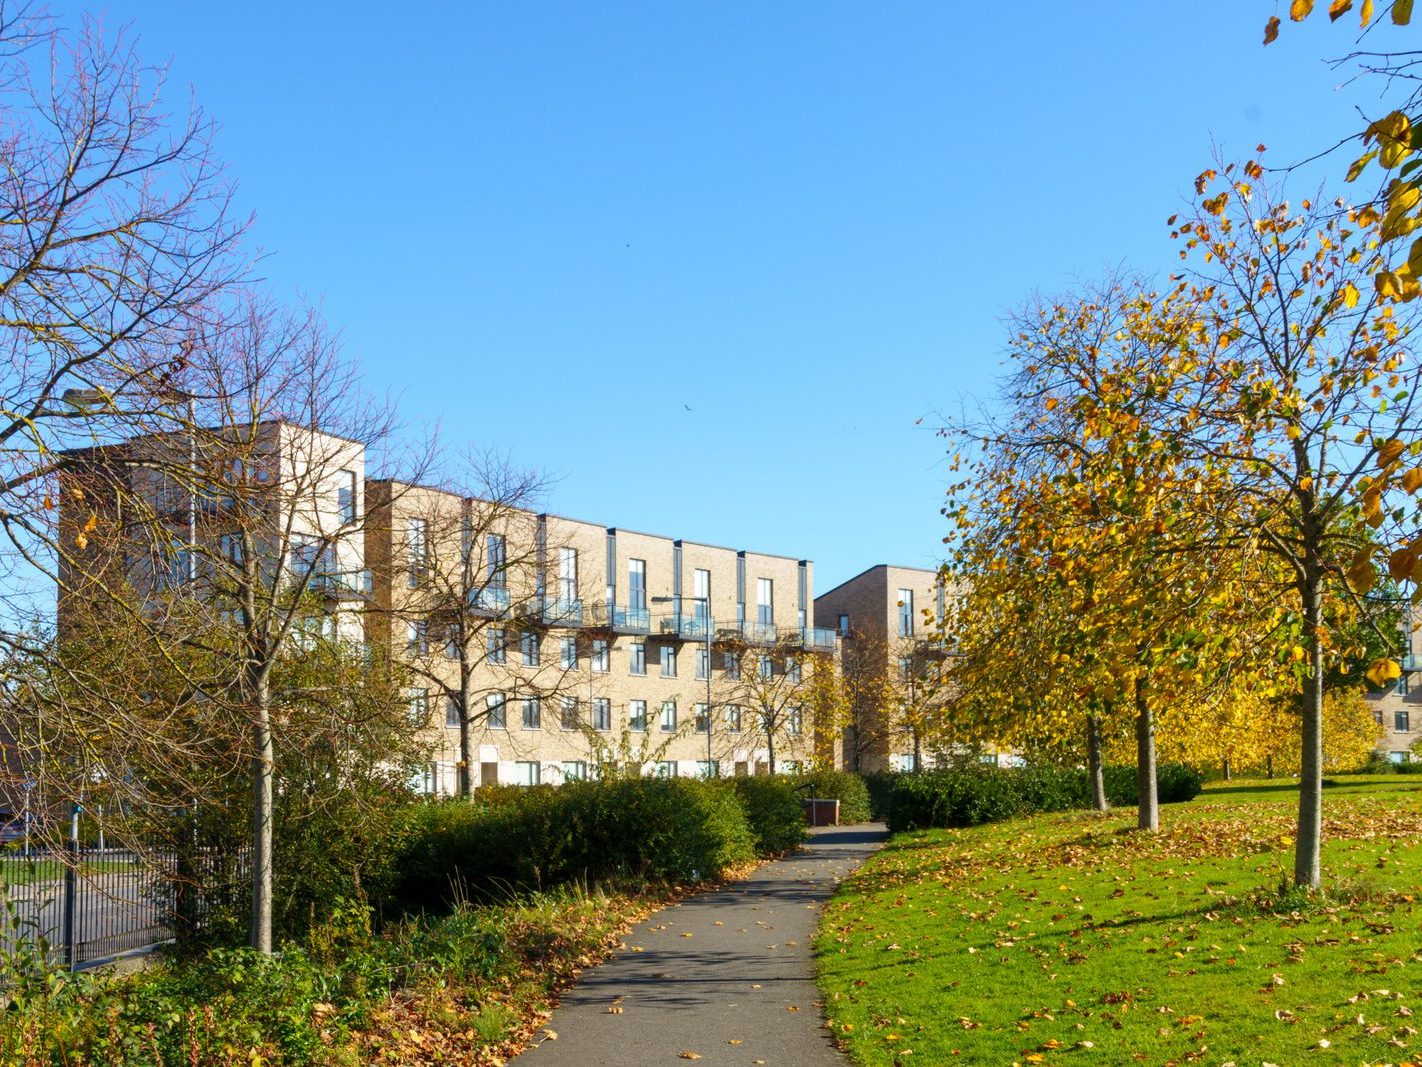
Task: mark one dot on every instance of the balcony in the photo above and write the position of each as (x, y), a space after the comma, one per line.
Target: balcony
(685, 627)
(620, 620)
(490, 600)
(931, 648)
(812, 638)
(549, 611)
(340, 585)
(1411, 662)
(748, 633)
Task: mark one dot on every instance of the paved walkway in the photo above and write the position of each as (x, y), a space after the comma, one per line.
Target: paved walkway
(725, 974)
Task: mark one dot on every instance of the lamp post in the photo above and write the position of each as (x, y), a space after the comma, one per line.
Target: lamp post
(706, 622)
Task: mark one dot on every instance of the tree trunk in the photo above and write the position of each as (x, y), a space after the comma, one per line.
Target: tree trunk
(263, 771)
(1310, 830)
(1227, 770)
(917, 753)
(769, 742)
(1094, 768)
(1148, 803)
(1269, 765)
(467, 763)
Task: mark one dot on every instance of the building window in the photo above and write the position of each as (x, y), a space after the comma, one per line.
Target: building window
(905, 668)
(497, 704)
(666, 768)
(637, 584)
(451, 642)
(230, 545)
(568, 654)
(532, 713)
(794, 721)
(527, 772)
(496, 644)
(417, 637)
(568, 720)
(417, 703)
(1378, 716)
(528, 645)
(637, 658)
(701, 589)
(733, 718)
(668, 661)
(732, 664)
(703, 718)
(451, 713)
(708, 768)
(765, 666)
(567, 575)
(599, 656)
(601, 713)
(495, 561)
(1401, 722)
(637, 715)
(1397, 757)
(703, 664)
(346, 496)
(417, 550)
(1402, 684)
(791, 766)
(905, 612)
(574, 770)
(669, 716)
(764, 601)
(843, 625)
(792, 670)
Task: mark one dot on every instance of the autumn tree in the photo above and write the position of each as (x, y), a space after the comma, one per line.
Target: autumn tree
(768, 693)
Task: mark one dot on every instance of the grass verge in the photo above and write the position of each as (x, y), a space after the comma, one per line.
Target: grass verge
(1071, 938)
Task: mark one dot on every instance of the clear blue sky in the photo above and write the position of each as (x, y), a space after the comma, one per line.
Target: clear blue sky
(552, 227)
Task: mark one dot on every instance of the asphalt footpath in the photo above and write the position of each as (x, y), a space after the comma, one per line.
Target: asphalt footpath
(723, 977)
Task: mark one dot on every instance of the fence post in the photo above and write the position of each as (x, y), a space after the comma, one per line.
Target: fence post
(71, 886)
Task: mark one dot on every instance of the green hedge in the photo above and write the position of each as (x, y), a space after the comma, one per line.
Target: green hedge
(620, 831)
(972, 796)
(845, 786)
(773, 809)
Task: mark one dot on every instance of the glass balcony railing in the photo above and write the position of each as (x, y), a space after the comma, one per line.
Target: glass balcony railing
(632, 620)
(553, 612)
(687, 627)
(355, 583)
(753, 633)
(492, 599)
(1411, 662)
(816, 638)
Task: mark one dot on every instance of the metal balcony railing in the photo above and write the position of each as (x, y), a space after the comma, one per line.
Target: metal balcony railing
(1411, 662)
(686, 627)
(751, 633)
(815, 638)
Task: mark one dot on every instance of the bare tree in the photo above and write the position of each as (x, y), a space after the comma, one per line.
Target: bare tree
(768, 694)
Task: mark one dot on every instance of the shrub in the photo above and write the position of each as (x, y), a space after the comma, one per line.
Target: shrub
(844, 786)
(974, 795)
(774, 811)
(880, 786)
(630, 830)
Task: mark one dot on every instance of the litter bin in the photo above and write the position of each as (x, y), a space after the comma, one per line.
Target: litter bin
(821, 812)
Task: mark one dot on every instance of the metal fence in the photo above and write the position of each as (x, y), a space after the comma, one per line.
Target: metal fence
(86, 905)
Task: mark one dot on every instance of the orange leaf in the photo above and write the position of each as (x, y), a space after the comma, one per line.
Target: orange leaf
(1300, 9)
(1271, 30)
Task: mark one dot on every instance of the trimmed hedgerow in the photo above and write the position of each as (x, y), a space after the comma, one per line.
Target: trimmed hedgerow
(972, 796)
(845, 786)
(622, 831)
(774, 810)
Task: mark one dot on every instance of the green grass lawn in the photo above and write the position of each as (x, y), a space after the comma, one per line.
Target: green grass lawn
(18, 871)
(1073, 939)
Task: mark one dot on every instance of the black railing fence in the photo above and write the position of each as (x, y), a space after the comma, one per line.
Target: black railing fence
(85, 905)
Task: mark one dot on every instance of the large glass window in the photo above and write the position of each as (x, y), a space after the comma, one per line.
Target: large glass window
(637, 584)
(731, 662)
(669, 716)
(703, 664)
(794, 720)
(905, 612)
(567, 575)
(599, 655)
(451, 713)
(496, 644)
(527, 772)
(637, 715)
(637, 658)
(575, 770)
(1401, 721)
(532, 713)
(417, 550)
(568, 654)
(497, 704)
(528, 645)
(703, 718)
(601, 713)
(346, 496)
(668, 661)
(764, 601)
(417, 703)
(568, 719)
(701, 586)
(495, 561)
(733, 719)
(765, 666)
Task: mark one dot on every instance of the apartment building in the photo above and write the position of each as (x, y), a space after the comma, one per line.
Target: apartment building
(1398, 708)
(892, 661)
(545, 648)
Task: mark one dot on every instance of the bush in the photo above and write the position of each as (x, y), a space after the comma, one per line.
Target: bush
(972, 796)
(880, 786)
(774, 811)
(844, 786)
(636, 830)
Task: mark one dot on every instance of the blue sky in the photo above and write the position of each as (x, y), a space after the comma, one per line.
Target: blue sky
(555, 227)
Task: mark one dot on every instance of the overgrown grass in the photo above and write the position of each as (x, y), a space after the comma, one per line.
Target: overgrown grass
(1071, 938)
